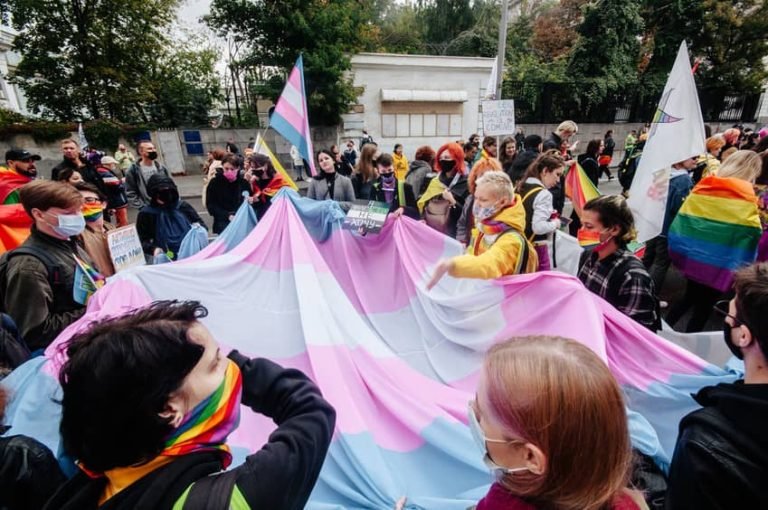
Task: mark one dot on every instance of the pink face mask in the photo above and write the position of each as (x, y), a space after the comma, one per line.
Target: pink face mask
(230, 175)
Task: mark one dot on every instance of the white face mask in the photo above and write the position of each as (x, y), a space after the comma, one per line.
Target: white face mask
(69, 225)
(499, 472)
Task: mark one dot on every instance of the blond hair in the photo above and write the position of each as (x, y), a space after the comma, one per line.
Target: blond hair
(479, 169)
(744, 165)
(567, 125)
(499, 182)
(558, 395)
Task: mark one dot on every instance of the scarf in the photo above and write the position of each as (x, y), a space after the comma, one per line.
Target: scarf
(203, 429)
(491, 229)
(207, 426)
(330, 179)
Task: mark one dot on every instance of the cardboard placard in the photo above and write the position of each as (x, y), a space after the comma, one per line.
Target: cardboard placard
(369, 216)
(125, 248)
(498, 117)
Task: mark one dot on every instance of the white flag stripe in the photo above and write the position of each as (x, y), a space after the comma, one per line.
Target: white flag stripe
(293, 98)
(677, 133)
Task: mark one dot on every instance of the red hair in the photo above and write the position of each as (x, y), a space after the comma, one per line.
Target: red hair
(455, 150)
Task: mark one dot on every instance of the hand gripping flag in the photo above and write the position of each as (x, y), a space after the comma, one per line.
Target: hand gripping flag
(677, 133)
(291, 117)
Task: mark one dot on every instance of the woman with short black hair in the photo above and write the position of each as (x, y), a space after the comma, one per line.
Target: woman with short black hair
(148, 402)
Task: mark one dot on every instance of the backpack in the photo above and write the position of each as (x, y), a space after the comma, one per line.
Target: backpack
(214, 492)
(13, 350)
(170, 228)
(437, 212)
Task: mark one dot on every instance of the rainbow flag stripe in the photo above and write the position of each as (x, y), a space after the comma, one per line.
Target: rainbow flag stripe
(716, 231)
(15, 226)
(579, 188)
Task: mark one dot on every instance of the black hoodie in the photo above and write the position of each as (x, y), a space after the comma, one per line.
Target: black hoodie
(149, 215)
(721, 457)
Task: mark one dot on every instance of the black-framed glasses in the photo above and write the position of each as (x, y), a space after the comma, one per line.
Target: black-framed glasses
(723, 308)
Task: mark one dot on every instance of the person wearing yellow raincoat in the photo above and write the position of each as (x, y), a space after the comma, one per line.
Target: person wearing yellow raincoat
(499, 247)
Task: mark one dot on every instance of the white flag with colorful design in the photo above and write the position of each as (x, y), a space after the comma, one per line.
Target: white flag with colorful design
(677, 133)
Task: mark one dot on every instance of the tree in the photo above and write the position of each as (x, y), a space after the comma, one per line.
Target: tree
(444, 20)
(727, 38)
(276, 31)
(87, 57)
(604, 59)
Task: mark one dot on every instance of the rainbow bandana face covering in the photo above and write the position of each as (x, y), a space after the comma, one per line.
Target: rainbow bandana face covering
(207, 426)
(92, 212)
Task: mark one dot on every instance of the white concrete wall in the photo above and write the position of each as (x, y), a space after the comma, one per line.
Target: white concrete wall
(374, 72)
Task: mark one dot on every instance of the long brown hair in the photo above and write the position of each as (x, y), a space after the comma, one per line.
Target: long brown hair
(547, 162)
(364, 166)
(558, 395)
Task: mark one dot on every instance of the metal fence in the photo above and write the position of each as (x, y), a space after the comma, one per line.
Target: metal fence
(550, 103)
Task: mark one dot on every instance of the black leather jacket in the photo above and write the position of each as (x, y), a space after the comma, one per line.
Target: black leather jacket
(721, 457)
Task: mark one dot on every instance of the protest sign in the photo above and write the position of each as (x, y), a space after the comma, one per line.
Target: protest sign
(366, 215)
(498, 117)
(125, 248)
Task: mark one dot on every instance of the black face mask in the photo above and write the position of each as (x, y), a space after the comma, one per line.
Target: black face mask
(152, 155)
(447, 165)
(735, 350)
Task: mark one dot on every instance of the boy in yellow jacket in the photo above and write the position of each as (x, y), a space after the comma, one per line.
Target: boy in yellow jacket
(499, 246)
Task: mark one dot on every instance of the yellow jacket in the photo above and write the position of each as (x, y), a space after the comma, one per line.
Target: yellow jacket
(401, 166)
(492, 258)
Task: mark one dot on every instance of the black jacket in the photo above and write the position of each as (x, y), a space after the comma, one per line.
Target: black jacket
(42, 305)
(29, 473)
(223, 198)
(591, 167)
(88, 172)
(721, 457)
(553, 142)
(410, 208)
(279, 476)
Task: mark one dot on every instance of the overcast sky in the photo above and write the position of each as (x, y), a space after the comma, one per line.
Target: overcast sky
(191, 10)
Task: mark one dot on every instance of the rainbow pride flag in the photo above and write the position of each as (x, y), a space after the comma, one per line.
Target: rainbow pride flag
(399, 363)
(15, 225)
(716, 231)
(579, 188)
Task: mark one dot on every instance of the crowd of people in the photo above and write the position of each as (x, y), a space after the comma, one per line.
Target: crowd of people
(504, 202)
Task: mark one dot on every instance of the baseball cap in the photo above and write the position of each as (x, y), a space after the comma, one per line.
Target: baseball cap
(108, 160)
(20, 155)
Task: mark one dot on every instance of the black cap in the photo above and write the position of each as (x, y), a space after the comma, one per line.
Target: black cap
(20, 155)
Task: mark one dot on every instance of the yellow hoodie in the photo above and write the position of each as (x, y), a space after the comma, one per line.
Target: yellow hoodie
(495, 256)
(401, 165)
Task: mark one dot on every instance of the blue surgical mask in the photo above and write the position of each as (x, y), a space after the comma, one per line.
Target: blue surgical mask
(499, 472)
(483, 213)
(69, 224)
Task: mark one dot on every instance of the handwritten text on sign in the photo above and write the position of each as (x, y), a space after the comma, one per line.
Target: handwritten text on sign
(125, 248)
(368, 216)
(498, 117)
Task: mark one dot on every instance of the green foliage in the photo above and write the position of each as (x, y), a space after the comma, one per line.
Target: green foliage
(326, 33)
(105, 59)
(103, 133)
(605, 56)
(444, 20)
(12, 124)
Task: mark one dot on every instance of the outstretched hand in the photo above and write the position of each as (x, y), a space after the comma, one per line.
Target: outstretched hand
(442, 267)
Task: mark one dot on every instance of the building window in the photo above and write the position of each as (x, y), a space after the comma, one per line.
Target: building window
(421, 119)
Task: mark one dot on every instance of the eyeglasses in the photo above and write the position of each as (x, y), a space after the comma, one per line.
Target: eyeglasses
(723, 308)
(91, 200)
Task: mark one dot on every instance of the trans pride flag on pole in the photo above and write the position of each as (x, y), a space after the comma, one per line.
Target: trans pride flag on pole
(291, 116)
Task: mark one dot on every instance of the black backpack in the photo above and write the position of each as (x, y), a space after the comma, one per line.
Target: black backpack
(13, 349)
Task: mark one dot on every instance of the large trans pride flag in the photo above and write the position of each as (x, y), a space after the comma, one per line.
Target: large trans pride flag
(398, 363)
